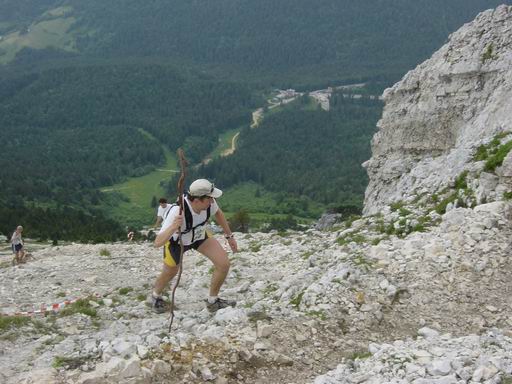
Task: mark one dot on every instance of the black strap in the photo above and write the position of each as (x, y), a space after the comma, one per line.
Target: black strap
(188, 216)
(169, 210)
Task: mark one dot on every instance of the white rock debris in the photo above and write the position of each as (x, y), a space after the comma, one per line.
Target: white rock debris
(305, 304)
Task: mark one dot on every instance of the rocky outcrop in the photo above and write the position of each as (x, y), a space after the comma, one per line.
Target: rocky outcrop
(431, 358)
(436, 117)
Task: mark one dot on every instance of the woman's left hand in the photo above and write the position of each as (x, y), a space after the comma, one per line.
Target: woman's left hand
(232, 244)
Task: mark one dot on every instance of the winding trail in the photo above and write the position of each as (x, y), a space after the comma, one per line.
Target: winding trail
(231, 150)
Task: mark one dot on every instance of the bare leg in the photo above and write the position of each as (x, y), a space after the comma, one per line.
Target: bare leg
(165, 276)
(219, 257)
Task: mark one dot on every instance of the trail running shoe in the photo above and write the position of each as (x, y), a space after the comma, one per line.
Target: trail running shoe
(219, 304)
(158, 304)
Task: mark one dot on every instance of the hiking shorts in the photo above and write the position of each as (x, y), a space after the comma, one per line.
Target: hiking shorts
(172, 250)
(16, 248)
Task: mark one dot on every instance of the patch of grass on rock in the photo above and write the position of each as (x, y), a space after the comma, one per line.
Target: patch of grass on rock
(125, 290)
(68, 362)
(507, 195)
(82, 306)
(496, 159)
(360, 355)
(255, 247)
(351, 238)
(297, 300)
(306, 255)
(318, 314)
(12, 322)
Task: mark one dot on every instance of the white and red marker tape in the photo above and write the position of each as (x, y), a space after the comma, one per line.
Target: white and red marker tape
(43, 309)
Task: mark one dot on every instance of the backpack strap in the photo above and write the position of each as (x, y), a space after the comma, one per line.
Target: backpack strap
(188, 216)
(169, 210)
(186, 211)
(189, 219)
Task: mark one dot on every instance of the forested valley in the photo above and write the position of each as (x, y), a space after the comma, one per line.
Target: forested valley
(70, 131)
(305, 154)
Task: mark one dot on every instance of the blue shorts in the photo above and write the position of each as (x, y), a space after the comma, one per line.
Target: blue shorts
(16, 248)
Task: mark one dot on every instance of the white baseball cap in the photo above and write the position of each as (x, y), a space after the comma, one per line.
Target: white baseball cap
(203, 187)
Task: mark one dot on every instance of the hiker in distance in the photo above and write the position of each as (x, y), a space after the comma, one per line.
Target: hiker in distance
(17, 245)
(198, 205)
(163, 208)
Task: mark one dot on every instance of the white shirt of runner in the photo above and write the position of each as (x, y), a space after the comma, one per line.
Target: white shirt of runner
(197, 218)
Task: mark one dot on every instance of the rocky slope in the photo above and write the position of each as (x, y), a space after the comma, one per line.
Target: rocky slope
(307, 301)
(417, 291)
(437, 116)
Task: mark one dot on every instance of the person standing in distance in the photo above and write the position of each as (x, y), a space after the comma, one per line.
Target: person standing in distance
(199, 203)
(17, 245)
(163, 208)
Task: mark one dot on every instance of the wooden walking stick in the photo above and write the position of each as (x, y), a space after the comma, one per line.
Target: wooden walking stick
(181, 182)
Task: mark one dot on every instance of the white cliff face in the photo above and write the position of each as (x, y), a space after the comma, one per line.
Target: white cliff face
(439, 113)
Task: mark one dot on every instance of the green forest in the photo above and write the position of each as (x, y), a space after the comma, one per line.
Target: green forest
(68, 132)
(93, 92)
(288, 38)
(305, 153)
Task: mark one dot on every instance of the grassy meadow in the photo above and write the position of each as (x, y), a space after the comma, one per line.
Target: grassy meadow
(44, 34)
(132, 198)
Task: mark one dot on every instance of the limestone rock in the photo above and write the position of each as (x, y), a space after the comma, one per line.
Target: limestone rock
(440, 112)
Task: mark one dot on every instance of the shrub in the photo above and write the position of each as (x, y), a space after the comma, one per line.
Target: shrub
(240, 221)
(497, 158)
(104, 252)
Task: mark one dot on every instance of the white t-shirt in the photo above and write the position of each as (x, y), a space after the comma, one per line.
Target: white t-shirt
(16, 238)
(197, 218)
(162, 211)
